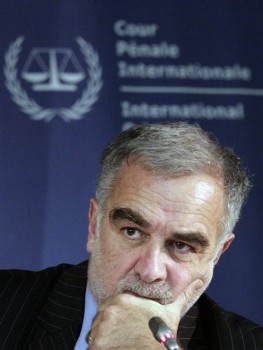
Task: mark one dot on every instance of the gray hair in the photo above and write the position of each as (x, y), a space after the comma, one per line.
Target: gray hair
(176, 149)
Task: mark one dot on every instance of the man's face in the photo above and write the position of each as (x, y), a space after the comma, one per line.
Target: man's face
(157, 234)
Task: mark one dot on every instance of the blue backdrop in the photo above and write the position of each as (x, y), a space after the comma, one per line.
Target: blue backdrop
(77, 72)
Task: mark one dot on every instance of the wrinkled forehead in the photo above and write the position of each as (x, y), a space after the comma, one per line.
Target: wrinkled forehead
(135, 183)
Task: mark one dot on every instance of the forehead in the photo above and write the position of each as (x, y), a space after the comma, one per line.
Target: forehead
(135, 177)
(180, 198)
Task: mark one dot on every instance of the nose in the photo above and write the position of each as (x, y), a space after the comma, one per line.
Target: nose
(151, 265)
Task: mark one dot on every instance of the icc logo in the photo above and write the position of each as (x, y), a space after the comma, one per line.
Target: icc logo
(54, 69)
(46, 74)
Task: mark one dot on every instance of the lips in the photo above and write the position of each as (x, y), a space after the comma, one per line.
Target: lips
(141, 296)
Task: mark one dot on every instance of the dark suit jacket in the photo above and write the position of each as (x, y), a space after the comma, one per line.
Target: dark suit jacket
(44, 311)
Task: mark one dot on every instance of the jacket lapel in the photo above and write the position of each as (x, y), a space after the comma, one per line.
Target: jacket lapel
(225, 330)
(60, 320)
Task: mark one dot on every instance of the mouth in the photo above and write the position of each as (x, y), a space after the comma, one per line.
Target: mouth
(142, 296)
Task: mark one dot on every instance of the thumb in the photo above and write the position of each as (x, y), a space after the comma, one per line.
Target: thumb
(189, 294)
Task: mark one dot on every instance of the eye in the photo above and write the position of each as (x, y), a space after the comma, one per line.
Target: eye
(132, 233)
(180, 247)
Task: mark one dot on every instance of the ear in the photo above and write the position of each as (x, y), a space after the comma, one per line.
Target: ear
(93, 209)
(224, 246)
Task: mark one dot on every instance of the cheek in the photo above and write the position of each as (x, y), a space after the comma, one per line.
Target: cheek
(204, 272)
(117, 262)
(181, 275)
(118, 259)
(109, 258)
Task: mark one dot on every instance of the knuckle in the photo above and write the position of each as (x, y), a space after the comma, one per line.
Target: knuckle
(122, 299)
(110, 311)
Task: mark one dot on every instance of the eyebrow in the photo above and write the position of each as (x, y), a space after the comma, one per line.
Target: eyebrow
(196, 237)
(130, 215)
(118, 214)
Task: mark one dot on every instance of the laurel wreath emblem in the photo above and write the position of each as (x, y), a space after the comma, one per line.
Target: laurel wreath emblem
(36, 112)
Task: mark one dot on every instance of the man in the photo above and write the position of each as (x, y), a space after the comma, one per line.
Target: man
(167, 200)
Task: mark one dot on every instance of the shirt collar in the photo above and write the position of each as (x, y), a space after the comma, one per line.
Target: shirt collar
(89, 314)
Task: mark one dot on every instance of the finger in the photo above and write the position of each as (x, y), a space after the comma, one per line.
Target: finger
(89, 339)
(96, 320)
(186, 296)
(93, 329)
(102, 311)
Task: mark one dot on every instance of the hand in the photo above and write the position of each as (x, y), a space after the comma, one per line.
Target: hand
(122, 321)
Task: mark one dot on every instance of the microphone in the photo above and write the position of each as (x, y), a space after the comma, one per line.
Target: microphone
(162, 333)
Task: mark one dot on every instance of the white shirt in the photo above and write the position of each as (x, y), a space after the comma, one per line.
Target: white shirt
(89, 313)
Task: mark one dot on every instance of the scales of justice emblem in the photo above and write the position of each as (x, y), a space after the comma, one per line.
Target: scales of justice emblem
(54, 70)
